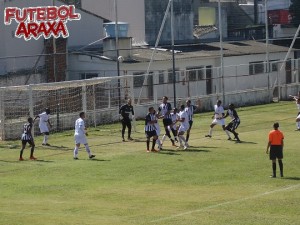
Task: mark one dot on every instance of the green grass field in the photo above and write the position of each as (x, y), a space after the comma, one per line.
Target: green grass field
(215, 182)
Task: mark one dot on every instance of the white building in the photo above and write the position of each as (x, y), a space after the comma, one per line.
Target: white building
(197, 68)
(80, 34)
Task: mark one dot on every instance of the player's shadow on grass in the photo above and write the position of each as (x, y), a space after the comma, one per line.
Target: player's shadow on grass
(43, 161)
(190, 149)
(193, 150)
(291, 178)
(15, 161)
(99, 160)
(168, 152)
(245, 142)
(55, 147)
(110, 143)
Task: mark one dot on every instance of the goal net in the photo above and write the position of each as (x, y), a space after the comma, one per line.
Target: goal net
(100, 98)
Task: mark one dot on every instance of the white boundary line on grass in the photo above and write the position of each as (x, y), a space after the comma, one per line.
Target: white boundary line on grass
(227, 203)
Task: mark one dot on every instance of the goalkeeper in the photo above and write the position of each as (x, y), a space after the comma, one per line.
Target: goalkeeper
(124, 112)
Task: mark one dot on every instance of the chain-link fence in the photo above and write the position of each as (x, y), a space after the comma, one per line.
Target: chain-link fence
(101, 97)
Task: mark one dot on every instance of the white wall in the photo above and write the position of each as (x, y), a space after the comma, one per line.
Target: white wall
(79, 64)
(86, 30)
(82, 32)
(130, 11)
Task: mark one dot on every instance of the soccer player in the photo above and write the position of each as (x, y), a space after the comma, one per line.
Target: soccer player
(157, 130)
(124, 112)
(297, 99)
(43, 125)
(164, 111)
(80, 136)
(275, 145)
(298, 122)
(184, 126)
(218, 118)
(235, 121)
(27, 138)
(150, 131)
(190, 109)
(173, 126)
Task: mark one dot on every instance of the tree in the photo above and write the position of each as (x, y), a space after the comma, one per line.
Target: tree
(295, 12)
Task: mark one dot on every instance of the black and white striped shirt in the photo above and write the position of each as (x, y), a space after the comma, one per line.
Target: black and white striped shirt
(148, 125)
(165, 109)
(27, 136)
(190, 111)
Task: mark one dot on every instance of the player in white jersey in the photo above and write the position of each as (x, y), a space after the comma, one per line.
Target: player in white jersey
(184, 126)
(190, 109)
(157, 129)
(80, 136)
(297, 99)
(218, 118)
(43, 125)
(298, 122)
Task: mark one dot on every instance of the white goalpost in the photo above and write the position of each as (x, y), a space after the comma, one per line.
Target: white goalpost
(97, 97)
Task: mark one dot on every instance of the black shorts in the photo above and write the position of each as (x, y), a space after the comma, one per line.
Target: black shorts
(233, 125)
(276, 152)
(167, 122)
(150, 134)
(27, 141)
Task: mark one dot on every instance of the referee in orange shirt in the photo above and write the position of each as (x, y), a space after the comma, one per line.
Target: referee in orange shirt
(275, 145)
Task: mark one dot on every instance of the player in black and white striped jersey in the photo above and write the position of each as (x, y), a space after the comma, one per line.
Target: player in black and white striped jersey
(150, 129)
(173, 127)
(27, 138)
(189, 109)
(164, 111)
(235, 121)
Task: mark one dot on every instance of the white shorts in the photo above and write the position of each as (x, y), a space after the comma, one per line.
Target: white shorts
(183, 129)
(44, 128)
(218, 121)
(80, 139)
(157, 131)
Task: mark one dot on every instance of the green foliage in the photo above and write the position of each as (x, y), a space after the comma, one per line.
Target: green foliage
(214, 182)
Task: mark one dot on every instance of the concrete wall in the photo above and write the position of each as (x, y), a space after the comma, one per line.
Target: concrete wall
(80, 34)
(183, 20)
(130, 11)
(16, 80)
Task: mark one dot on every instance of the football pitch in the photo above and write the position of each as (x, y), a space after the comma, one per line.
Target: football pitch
(214, 182)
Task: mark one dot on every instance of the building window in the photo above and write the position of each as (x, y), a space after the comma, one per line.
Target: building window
(138, 79)
(161, 77)
(273, 65)
(192, 75)
(88, 75)
(256, 67)
(195, 73)
(171, 76)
